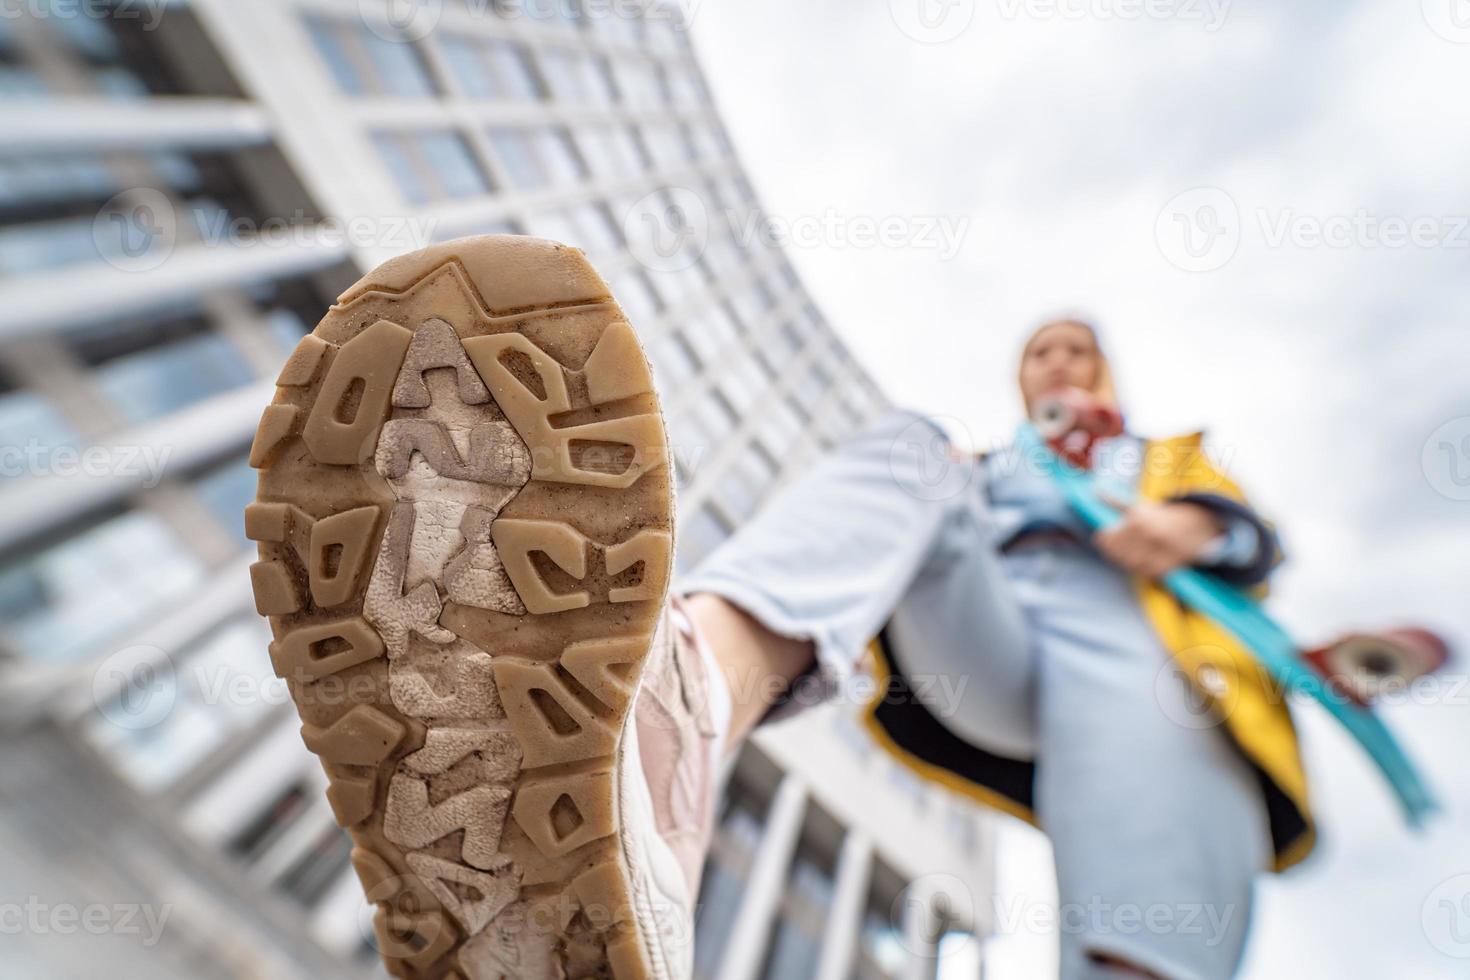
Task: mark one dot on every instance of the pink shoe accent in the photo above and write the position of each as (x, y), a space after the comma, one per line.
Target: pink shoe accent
(682, 713)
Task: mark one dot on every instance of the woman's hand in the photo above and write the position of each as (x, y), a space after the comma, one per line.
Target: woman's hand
(1154, 539)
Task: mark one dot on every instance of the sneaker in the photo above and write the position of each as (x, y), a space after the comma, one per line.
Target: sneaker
(465, 528)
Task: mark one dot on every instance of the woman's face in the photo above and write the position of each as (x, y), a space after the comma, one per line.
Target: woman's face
(1063, 355)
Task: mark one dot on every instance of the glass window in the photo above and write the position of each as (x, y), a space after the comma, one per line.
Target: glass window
(54, 177)
(781, 428)
(720, 418)
(400, 162)
(225, 490)
(90, 36)
(732, 853)
(746, 383)
(801, 925)
(747, 481)
(331, 43)
(558, 14)
(513, 64)
(611, 151)
(64, 599)
(537, 158)
(563, 161)
(673, 361)
(882, 952)
(222, 687)
(640, 82)
(28, 422)
(518, 156)
(669, 145)
(635, 294)
(451, 161)
(494, 69)
(555, 224)
(465, 57)
(432, 166)
(162, 378)
(617, 22)
(597, 233)
(46, 245)
(398, 68)
(363, 63)
(577, 78)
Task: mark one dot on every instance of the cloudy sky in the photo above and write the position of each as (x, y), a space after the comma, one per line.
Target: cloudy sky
(1265, 207)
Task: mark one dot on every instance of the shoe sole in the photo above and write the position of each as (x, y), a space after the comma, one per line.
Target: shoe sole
(464, 520)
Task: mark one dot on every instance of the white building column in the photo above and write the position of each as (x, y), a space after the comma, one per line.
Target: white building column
(749, 936)
(849, 902)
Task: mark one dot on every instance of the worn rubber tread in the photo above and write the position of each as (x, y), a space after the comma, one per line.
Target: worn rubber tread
(465, 525)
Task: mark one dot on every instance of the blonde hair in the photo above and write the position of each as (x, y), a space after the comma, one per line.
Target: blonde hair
(1102, 385)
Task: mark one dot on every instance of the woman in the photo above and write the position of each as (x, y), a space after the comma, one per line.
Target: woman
(1143, 740)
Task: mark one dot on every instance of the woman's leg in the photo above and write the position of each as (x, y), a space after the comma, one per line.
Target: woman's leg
(808, 582)
(1155, 818)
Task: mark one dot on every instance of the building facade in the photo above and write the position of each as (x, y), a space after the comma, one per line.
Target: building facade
(184, 188)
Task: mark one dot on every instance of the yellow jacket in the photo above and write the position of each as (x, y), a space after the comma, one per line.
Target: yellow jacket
(1222, 671)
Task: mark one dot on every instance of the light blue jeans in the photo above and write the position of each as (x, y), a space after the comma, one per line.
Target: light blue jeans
(1157, 822)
